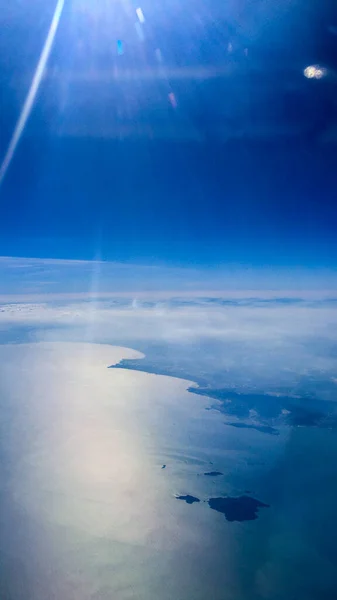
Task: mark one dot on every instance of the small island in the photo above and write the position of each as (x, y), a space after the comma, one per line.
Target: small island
(243, 508)
(188, 499)
(213, 473)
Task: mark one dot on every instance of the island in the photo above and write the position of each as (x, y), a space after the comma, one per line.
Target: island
(243, 508)
(213, 473)
(188, 499)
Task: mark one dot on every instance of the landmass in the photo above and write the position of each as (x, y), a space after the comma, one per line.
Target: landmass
(213, 473)
(188, 499)
(243, 508)
(297, 405)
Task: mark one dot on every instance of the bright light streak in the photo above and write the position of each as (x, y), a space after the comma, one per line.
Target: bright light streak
(173, 100)
(159, 55)
(315, 72)
(140, 31)
(27, 107)
(140, 15)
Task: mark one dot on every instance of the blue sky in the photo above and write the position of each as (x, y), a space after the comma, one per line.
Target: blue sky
(225, 178)
(178, 203)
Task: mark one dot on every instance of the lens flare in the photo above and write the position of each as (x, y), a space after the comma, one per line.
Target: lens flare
(30, 99)
(315, 72)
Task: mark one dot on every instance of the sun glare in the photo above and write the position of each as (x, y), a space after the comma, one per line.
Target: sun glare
(315, 72)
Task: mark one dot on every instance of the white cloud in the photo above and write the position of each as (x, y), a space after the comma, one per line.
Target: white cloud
(265, 329)
(31, 278)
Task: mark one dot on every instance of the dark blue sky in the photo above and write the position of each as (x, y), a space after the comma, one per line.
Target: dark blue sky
(206, 194)
(250, 203)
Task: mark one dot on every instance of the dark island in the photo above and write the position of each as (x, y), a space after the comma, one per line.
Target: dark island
(189, 499)
(243, 508)
(213, 473)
